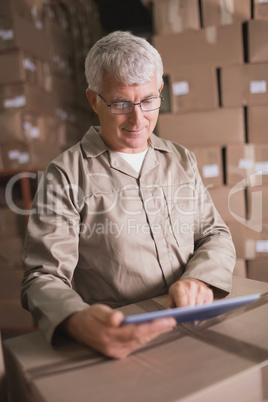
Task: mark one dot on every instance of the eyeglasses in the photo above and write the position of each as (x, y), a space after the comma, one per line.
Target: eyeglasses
(125, 107)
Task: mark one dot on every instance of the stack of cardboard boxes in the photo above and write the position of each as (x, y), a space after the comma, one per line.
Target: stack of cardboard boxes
(43, 110)
(215, 55)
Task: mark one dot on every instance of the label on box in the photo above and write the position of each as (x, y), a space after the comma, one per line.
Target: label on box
(24, 157)
(261, 167)
(6, 34)
(258, 87)
(180, 88)
(210, 171)
(245, 163)
(29, 65)
(262, 246)
(19, 101)
(261, 1)
(13, 154)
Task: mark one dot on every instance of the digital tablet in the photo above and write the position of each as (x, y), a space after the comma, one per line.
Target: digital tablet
(194, 313)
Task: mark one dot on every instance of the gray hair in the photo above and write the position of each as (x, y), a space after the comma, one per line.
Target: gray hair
(128, 58)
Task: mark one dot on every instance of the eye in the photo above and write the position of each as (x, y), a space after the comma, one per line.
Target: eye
(149, 101)
(121, 105)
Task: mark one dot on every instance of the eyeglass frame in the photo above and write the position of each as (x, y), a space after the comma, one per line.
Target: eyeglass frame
(133, 104)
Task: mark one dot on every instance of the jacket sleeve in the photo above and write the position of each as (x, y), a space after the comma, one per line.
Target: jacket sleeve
(50, 253)
(214, 254)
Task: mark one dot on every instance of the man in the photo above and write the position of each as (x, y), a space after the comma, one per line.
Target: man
(123, 214)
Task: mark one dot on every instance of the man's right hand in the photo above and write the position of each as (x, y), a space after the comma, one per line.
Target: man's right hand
(100, 328)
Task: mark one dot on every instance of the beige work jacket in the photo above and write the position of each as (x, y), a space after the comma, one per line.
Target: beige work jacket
(118, 235)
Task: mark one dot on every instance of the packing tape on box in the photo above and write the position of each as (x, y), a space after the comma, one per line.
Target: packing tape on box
(226, 11)
(174, 18)
(211, 34)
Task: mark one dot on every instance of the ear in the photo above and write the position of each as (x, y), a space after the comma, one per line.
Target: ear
(92, 98)
(162, 86)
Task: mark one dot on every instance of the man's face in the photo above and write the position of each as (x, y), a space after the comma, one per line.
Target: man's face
(127, 132)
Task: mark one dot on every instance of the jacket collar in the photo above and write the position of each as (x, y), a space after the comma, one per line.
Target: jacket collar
(93, 145)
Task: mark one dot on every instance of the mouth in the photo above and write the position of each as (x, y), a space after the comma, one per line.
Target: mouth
(135, 130)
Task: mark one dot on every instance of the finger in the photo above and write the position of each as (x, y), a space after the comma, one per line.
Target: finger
(103, 314)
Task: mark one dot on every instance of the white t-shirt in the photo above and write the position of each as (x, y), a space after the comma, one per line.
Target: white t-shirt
(135, 160)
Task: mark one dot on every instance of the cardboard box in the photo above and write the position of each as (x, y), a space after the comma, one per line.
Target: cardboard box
(225, 12)
(194, 89)
(234, 351)
(240, 268)
(244, 85)
(173, 16)
(231, 205)
(16, 96)
(10, 283)
(207, 128)
(11, 223)
(19, 125)
(258, 270)
(257, 201)
(11, 250)
(210, 165)
(260, 9)
(257, 41)
(16, 66)
(247, 163)
(59, 39)
(256, 243)
(15, 155)
(13, 317)
(20, 7)
(18, 33)
(257, 123)
(211, 46)
(237, 230)
(64, 90)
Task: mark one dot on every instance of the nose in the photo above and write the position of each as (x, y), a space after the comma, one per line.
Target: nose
(136, 116)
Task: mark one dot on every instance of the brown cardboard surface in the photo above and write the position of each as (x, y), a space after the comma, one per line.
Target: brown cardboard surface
(258, 270)
(207, 128)
(247, 164)
(211, 46)
(15, 66)
(11, 223)
(257, 41)
(231, 205)
(256, 242)
(15, 155)
(19, 125)
(237, 230)
(22, 34)
(16, 96)
(244, 85)
(260, 9)
(218, 12)
(210, 165)
(10, 250)
(207, 361)
(257, 124)
(13, 316)
(257, 199)
(194, 89)
(173, 17)
(10, 283)
(240, 268)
